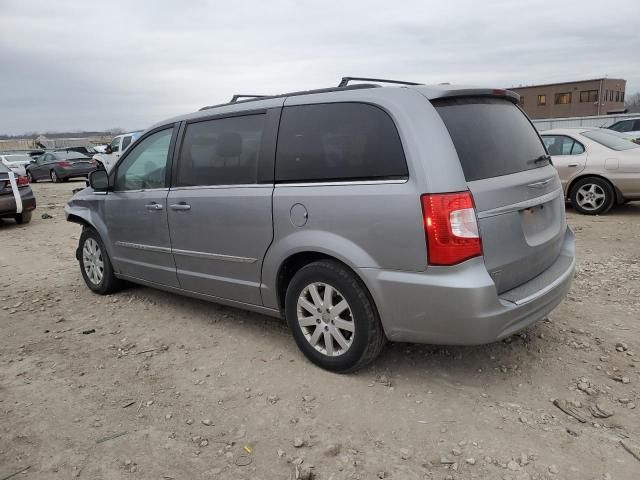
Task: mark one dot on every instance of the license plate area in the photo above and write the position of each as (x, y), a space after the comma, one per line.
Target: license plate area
(541, 223)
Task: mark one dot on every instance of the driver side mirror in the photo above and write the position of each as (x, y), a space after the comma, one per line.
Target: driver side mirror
(109, 150)
(99, 180)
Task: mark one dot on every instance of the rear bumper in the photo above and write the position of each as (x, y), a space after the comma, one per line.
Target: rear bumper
(460, 306)
(8, 202)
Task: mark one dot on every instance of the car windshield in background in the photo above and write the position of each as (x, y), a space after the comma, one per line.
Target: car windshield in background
(491, 135)
(608, 139)
(70, 155)
(4, 168)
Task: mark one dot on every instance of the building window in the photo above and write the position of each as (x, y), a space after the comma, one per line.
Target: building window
(622, 96)
(563, 98)
(521, 101)
(542, 100)
(611, 95)
(617, 96)
(606, 95)
(588, 96)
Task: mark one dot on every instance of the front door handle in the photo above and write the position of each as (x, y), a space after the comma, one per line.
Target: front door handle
(181, 206)
(153, 206)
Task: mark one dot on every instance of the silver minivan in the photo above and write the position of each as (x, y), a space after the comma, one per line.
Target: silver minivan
(360, 214)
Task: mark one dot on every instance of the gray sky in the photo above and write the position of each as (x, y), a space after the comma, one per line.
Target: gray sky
(85, 65)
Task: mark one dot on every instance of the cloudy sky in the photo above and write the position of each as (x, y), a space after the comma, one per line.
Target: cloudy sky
(85, 65)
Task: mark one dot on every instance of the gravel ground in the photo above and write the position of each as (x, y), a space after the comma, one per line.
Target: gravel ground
(150, 385)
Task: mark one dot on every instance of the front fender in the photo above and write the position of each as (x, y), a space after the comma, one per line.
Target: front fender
(313, 241)
(87, 208)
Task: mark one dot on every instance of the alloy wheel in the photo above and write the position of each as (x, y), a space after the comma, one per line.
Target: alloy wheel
(590, 196)
(92, 261)
(325, 318)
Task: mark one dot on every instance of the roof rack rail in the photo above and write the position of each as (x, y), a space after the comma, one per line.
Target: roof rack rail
(345, 81)
(235, 98)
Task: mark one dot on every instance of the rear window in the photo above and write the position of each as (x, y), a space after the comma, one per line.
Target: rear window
(338, 141)
(491, 135)
(3, 168)
(70, 155)
(610, 140)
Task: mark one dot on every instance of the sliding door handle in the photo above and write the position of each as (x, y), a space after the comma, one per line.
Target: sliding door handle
(181, 206)
(153, 206)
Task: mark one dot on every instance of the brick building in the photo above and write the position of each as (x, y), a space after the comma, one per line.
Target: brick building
(601, 96)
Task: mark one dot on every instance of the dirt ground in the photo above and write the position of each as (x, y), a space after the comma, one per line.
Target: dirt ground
(150, 385)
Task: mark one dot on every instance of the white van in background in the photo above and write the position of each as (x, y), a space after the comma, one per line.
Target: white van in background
(117, 146)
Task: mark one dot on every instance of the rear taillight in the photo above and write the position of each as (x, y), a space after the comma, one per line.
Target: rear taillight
(451, 228)
(64, 163)
(22, 181)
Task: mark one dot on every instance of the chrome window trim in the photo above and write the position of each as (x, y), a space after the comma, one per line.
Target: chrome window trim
(187, 253)
(163, 189)
(345, 182)
(522, 205)
(208, 187)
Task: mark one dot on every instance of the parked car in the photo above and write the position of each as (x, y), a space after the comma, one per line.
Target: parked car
(16, 197)
(598, 167)
(628, 126)
(16, 162)
(360, 213)
(116, 148)
(60, 166)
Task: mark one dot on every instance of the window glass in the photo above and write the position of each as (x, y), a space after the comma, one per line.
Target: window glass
(562, 145)
(563, 98)
(636, 126)
(588, 96)
(145, 166)
(126, 141)
(492, 136)
(624, 126)
(338, 141)
(611, 140)
(223, 151)
(115, 145)
(542, 99)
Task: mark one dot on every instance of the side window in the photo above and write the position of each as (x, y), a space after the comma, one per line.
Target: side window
(145, 166)
(223, 151)
(561, 145)
(126, 141)
(338, 141)
(636, 125)
(115, 145)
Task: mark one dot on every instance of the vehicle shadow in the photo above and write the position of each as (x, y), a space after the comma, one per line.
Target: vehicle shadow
(515, 357)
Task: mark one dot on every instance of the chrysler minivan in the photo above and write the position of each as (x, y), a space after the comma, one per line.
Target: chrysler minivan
(360, 214)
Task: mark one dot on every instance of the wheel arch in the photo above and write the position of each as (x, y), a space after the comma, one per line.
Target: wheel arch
(618, 193)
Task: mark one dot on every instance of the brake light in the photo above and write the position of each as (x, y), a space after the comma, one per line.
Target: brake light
(451, 228)
(64, 163)
(22, 181)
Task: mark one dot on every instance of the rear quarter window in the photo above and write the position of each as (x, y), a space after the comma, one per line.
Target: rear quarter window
(338, 141)
(492, 136)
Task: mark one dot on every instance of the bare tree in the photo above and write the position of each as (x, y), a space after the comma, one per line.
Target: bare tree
(632, 103)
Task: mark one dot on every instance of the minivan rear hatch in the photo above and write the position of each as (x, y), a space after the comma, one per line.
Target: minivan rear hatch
(517, 192)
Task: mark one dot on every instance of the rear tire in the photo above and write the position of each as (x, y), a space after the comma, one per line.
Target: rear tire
(333, 318)
(23, 218)
(592, 196)
(95, 264)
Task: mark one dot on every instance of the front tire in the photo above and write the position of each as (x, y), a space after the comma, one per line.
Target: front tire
(333, 318)
(54, 176)
(23, 218)
(30, 177)
(592, 196)
(95, 264)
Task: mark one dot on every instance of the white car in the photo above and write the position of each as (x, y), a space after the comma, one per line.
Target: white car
(628, 126)
(598, 167)
(116, 148)
(16, 162)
